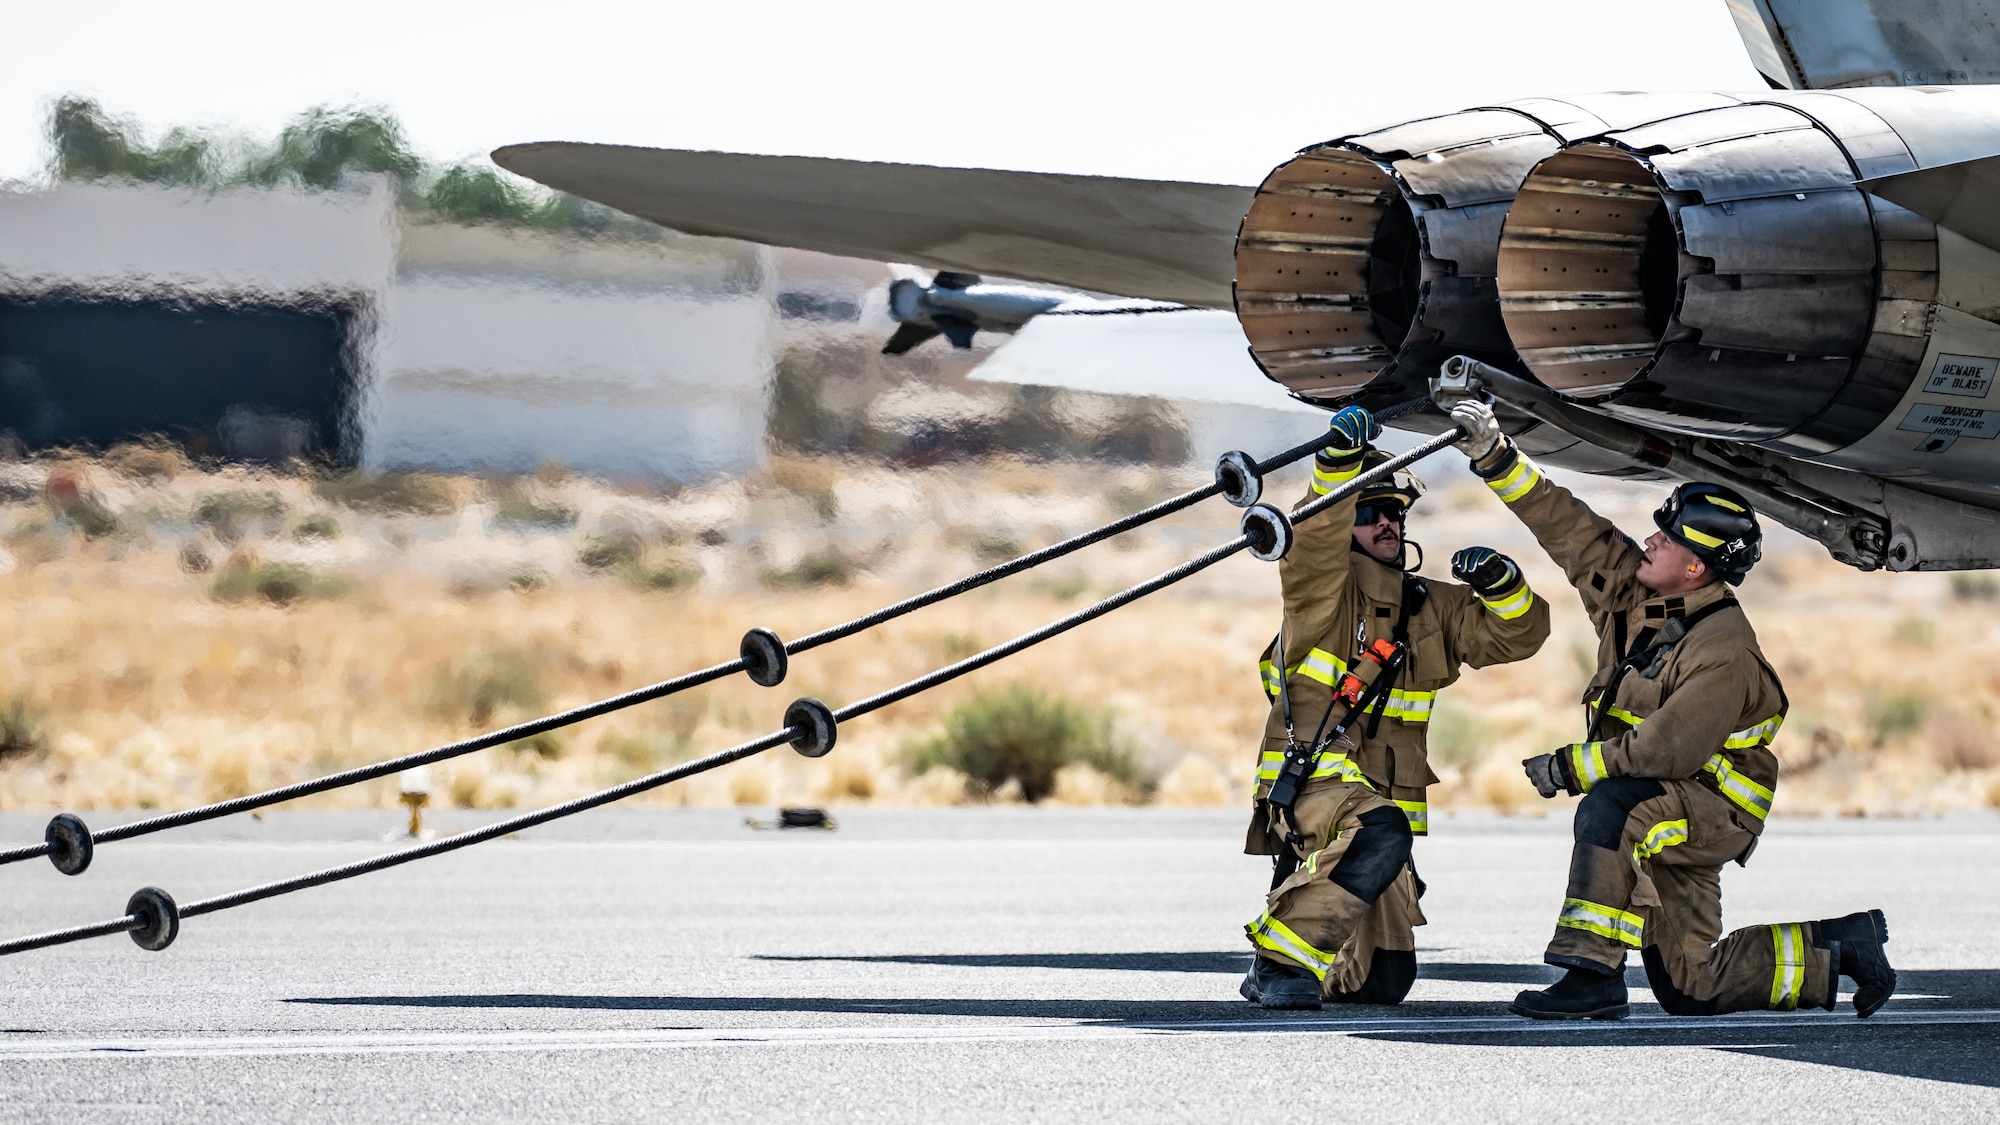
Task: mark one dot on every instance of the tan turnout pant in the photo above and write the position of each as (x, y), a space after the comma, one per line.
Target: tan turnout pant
(1347, 913)
(1646, 874)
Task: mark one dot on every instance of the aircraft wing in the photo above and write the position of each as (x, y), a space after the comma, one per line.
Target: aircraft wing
(1962, 197)
(1163, 240)
(1829, 44)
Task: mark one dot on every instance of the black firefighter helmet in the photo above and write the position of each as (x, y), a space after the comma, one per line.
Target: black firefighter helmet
(1716, 523)
(1400, 487)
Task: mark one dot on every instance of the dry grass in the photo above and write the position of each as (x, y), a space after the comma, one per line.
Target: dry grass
(142, 664)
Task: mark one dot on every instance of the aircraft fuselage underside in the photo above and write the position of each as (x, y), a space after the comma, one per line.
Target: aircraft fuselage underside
(1704, 269)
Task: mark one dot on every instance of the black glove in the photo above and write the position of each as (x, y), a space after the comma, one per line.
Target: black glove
(1549, 773)
(1350, 428)
(1486, 570)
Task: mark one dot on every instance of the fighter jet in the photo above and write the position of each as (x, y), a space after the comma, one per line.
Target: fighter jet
(1795, 291)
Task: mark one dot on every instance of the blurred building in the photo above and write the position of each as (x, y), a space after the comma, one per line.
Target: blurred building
(261, 324)
(264, 324)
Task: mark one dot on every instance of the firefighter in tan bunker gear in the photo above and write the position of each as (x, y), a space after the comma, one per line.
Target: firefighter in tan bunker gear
(1365, 641)
(1676, 770)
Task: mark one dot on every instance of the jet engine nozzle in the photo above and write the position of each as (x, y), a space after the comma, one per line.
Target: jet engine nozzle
(1365, 262)
(1718, 274)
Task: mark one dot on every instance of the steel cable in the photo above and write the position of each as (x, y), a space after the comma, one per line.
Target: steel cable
(673, 686)
(742, 750)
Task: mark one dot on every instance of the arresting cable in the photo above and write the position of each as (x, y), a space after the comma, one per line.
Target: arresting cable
(70, 844)
(811, 727)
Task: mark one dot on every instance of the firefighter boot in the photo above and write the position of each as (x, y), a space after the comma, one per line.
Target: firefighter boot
(1859, 938)
(1580, 995)
(1275, 985)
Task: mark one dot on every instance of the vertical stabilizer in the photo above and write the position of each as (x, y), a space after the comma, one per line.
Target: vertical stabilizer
(1830, 44)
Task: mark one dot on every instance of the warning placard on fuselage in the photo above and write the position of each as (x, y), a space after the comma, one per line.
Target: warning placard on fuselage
(1950, 423)
(1970, 376)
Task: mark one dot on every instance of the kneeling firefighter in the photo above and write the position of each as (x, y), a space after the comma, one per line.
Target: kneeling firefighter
(1676, 770)
(1363, 650)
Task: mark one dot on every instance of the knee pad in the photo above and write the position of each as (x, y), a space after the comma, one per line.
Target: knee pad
(1676, 1002)
(1390, 976)
(1380, 849)
(1600, 816)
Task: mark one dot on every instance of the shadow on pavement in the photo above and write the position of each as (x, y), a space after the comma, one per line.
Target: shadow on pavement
(1233, 962)
(1100, 1011)
(1964, 1053)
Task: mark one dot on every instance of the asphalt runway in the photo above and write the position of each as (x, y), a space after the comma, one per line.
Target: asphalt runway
(1003, 964)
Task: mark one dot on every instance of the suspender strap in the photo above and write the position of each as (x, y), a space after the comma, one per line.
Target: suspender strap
(1646, 650)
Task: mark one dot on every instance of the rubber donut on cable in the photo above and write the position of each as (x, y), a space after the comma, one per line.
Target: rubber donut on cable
(820, 727)
(159, 918)
(70, 844)
(1236, 473)
(764, 658)
(1269, 531)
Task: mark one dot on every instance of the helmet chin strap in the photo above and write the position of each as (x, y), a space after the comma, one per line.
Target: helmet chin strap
(1403, 557)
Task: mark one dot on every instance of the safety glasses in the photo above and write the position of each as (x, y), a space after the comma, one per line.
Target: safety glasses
(1369, 511)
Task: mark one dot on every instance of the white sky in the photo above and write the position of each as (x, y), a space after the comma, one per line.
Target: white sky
(1217, 91)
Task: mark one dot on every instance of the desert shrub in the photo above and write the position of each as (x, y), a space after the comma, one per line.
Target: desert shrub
(517, 509)
(548, 745)
(1127, 499)
(280, 584)
(1022, 735)
(816, 570)
(606, 552)
(993, 546)
(1975, 586)
(148, 459)
(232, 513)
(662, 577)
(1892, 716)
(1961, 743)
(645, 753)
(485, 684)
(1915, 631)
(1061, 589)
(527, 578)
(394, 493)
(1455, 735)
(319, 525)
(21, 730)
(809, 481)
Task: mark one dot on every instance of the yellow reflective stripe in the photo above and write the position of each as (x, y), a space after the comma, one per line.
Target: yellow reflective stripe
(1601, 920)
(1746, 793)
(1586, 764)
(1512, 606)
(1325, 479)
(1410, 706)
(1788, 978)
(1517, 481)
(1701, 537)
(1323, 666)
(1326, 668)
(1659, 838)
(1419, 813)
(1269, 672)
(1719, 502)
(1329, 765)
(1279, 938)
(1618, 713)
(1759, 735)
